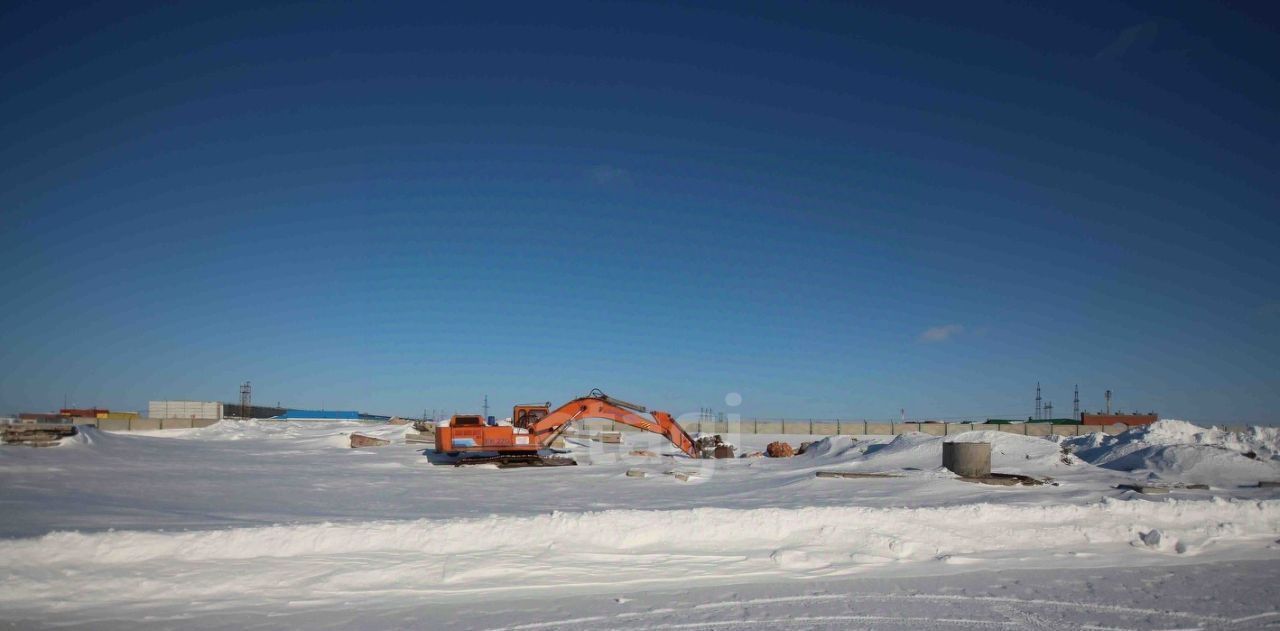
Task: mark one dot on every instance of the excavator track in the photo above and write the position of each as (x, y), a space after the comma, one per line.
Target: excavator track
(512, 461)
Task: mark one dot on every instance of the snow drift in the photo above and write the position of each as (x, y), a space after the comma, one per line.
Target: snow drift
(1182, 452)
(587, 549)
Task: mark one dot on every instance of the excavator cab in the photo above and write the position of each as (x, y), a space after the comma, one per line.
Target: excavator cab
(526, 415)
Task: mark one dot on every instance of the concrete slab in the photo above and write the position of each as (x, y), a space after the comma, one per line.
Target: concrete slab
(1006, 479)
(825, 429)
(984, 427)
(1112, 430)
(768, 427)
(175, 423)
(1064, 430)
(1014, 428)
(596, 425)
(113, 425)
(851, 474)
(197, 423)
(360, 440)
(879, 429)
(143, 424)
(851, 428)
(905, 428)
(1038, 429)
(1144, 489)
(795, 427)
(934, 429)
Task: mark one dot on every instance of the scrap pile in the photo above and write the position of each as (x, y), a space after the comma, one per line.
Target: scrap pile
(37, 435)
(713, 447)
(779, 449)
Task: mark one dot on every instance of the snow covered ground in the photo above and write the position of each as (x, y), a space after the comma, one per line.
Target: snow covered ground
(280, 524)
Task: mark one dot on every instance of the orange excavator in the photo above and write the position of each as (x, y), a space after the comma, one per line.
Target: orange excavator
(535, 426)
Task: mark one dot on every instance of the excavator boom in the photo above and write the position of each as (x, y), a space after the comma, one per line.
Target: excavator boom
(600, 405)
(535, 427)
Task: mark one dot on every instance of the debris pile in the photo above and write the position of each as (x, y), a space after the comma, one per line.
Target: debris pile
(36, 435)
(713, 447)
(779, 449)
(360, 440)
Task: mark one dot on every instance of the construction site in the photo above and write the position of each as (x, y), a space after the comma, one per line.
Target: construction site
(611, 503)
(627, 315)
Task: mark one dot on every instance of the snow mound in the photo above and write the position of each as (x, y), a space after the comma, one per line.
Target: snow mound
(333, 433)
(832, 447)
(1180, 451)
(508, 552)
(920, 451)
(87, 436)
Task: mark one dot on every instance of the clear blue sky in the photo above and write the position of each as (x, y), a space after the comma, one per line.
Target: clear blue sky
(834, 211)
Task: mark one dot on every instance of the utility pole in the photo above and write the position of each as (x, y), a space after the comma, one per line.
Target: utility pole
(486, 407)
(1075, 406)
(1039, 409)
(1108, 402)
(1048, 409)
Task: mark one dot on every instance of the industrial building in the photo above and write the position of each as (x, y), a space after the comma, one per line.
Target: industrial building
(328, 415)
(184, 409)
(1087, 418)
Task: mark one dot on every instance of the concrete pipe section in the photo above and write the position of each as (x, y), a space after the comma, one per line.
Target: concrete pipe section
(968, 460)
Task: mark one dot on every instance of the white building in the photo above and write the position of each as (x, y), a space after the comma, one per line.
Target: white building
(184, 409)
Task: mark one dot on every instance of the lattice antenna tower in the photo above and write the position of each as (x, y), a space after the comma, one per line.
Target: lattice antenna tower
(246, 399)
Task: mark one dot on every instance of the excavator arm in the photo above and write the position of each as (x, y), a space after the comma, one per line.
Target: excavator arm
(599, 405)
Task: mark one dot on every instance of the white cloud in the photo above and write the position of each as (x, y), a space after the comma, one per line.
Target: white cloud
(941, 333)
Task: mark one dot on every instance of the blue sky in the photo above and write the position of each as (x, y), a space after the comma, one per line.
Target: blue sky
(834, 211)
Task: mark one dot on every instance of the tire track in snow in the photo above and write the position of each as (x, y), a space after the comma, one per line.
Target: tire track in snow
(1028, 606)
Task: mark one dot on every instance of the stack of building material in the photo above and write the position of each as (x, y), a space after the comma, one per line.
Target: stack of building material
(360, 440)
(424, 432)
(36, 434)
